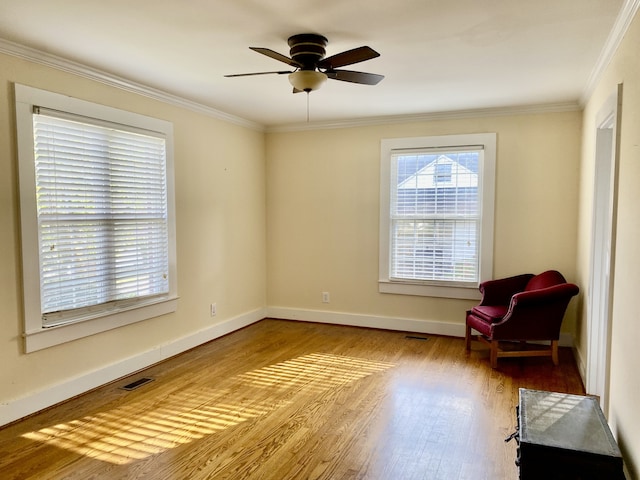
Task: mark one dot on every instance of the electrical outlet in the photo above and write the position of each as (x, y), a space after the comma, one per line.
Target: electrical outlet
(325, 297)
(213, 309)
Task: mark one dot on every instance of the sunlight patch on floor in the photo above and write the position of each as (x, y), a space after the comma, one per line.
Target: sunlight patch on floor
(315, 371)
(150, 426)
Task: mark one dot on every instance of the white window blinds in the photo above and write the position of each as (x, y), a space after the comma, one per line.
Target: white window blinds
(102, 215)
(435, 215)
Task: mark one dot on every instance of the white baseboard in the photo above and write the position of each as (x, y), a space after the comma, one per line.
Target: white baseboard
(433, 327)
(15, 409)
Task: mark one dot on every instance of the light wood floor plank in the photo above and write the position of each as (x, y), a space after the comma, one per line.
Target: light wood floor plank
(288, 400)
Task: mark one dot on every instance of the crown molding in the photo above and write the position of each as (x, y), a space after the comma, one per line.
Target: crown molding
(620, 27)
(69, 66)
(427, 117)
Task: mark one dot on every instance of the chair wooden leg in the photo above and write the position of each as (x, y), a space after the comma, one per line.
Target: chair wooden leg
(494, 354)
(467, 338)
(554, 352)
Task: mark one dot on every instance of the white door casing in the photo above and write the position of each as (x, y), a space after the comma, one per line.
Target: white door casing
(600, 301)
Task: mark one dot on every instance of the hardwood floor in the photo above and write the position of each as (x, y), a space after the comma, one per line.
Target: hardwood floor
(289, 400)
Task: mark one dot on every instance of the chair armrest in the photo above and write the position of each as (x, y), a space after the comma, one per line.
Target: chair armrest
(500, 291)
(535, 314)
(544, 295)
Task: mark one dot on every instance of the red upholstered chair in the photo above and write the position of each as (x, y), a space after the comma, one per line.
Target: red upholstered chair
(518, 310)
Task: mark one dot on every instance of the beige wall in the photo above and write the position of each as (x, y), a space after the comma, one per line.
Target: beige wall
(323, 211)
(624, 386)
(221, 225)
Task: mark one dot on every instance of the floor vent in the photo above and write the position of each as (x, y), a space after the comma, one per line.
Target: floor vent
(137, 384)
(415, 337)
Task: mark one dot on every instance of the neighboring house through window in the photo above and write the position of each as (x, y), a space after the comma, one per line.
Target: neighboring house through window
(97, 217)
(436, 218)
(443, 168)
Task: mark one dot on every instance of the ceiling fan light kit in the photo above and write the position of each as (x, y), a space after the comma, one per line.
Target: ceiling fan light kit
(311, 68)
(307, 80)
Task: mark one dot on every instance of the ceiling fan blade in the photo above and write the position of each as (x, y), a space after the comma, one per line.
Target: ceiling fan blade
(349, 57)
(276, 56)
(355, 77)
(282, 72)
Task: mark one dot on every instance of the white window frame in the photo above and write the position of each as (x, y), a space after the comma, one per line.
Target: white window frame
(486, 184)
(37, 336)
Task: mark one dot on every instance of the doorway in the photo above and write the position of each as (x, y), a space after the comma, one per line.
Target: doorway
(600, 300)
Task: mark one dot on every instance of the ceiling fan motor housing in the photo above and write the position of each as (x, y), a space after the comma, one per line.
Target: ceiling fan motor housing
(307, 49)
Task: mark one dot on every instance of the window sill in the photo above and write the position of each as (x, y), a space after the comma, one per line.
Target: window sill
(401, 288)
(47, 337)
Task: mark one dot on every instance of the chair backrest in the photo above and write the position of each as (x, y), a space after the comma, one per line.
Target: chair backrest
(544, 280)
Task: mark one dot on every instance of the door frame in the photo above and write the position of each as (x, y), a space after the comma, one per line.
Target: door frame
(603, 236)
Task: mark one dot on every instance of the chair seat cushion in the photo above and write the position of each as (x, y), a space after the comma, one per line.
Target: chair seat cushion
(490, 313)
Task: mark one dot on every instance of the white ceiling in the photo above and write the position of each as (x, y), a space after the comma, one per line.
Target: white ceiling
(436, 55)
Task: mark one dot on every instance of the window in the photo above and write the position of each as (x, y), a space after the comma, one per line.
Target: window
(97, 217)
(443, 169)
(436, 214)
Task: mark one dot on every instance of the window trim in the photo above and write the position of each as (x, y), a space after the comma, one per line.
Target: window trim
(487, 180)
(36, 336)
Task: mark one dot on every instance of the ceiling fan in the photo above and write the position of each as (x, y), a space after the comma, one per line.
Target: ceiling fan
(311, 68)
